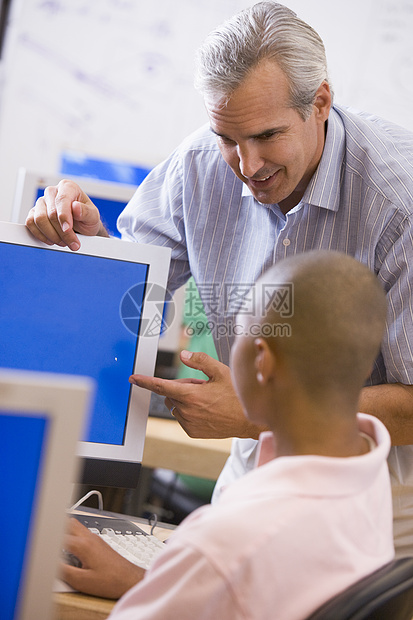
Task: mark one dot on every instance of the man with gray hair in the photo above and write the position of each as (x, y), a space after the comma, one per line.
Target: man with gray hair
(279, 170)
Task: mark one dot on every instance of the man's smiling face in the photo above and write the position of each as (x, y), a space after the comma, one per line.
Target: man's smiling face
(264, 140)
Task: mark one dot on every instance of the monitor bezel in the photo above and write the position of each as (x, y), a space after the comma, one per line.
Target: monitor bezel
(109, 464)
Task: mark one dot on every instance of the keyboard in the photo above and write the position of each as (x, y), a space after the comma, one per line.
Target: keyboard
(129, 540)
(157, 407)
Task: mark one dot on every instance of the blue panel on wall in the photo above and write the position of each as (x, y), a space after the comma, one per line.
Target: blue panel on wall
(80, 165)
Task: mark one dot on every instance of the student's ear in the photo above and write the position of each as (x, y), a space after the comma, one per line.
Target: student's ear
(264, 361)
(322, 102)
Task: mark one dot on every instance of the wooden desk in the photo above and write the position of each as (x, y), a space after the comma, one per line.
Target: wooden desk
(169, 447)
(76, 606)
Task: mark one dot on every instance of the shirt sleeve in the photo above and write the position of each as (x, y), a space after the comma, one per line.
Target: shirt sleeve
(154, 216)
(181, 584)
(396, 274)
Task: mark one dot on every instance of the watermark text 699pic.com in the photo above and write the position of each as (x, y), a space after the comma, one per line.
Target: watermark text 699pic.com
(222, 303)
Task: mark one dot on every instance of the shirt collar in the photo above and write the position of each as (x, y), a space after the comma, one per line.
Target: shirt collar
(317, 475)
(324, 187)
(314, 475)
(368, 425)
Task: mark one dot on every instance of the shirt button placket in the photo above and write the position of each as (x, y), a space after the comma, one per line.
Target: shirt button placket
(286, 242)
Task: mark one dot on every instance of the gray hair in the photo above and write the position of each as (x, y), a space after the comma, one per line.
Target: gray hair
(270, 31)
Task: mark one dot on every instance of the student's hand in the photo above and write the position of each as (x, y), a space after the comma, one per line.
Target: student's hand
(104, 572)
(206, 409)
(62, 210)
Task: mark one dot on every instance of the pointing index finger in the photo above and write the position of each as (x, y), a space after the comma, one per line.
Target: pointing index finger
(164, 387)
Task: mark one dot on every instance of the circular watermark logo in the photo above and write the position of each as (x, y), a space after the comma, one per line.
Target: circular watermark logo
(157, 304)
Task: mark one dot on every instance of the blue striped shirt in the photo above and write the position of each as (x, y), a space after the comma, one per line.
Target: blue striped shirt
(359, 201)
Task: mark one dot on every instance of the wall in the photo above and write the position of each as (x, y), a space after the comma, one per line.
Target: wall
(113, 78)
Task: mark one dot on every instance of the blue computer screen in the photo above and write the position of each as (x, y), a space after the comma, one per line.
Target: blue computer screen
(22, 439)
(60, 312)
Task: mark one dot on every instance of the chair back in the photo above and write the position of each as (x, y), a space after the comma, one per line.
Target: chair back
(386, 594)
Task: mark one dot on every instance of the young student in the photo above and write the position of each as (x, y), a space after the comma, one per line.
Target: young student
(315, 515)
(285, 169)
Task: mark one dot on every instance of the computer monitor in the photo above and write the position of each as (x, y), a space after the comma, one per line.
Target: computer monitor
(98, 313)
(110, 198)
(41, 419)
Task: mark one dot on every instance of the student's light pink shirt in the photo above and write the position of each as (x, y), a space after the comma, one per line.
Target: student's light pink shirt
(282, 540)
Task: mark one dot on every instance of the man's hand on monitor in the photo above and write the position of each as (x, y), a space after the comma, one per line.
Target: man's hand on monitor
(206, 409)
(104, 572)
(61, 212)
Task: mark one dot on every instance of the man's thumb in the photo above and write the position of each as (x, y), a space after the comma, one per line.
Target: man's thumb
(200, 361)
